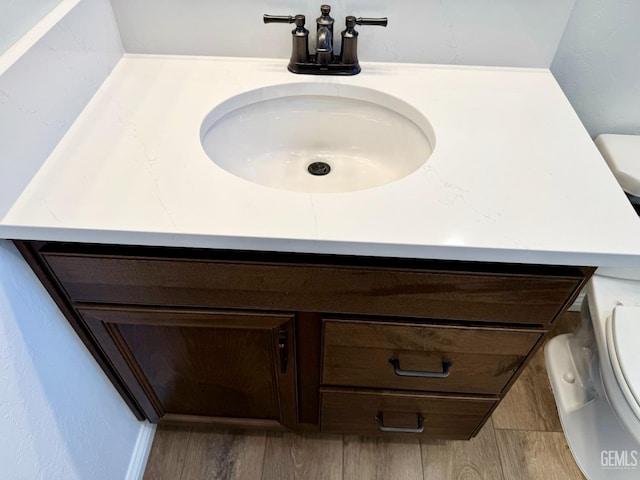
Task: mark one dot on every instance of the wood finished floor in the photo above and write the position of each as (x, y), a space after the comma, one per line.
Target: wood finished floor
(523, 440)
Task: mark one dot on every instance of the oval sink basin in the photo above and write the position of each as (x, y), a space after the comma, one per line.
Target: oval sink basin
(316, 138)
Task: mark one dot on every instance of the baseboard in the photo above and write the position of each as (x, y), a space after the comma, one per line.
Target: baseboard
(140, 453)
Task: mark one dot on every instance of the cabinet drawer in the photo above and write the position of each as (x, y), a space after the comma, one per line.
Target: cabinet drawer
(313, 285)
(352, 412)
(482, 360)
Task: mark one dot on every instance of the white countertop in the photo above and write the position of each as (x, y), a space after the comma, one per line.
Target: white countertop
(514, 177)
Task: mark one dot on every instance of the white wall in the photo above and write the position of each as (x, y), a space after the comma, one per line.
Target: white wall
(60, 417)
(470, 32)
(18, 16)
(598, 65)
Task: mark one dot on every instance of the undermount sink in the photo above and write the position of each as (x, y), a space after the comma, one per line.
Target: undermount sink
(317, 137)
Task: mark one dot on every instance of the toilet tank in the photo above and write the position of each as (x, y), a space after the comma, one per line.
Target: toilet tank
(622, 154)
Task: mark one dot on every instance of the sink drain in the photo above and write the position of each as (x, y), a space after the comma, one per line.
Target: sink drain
(319, 168)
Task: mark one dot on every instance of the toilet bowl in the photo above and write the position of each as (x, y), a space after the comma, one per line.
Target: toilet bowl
(595, 372)
(622, 330)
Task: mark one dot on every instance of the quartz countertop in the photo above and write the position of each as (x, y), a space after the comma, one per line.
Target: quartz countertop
(513, 177)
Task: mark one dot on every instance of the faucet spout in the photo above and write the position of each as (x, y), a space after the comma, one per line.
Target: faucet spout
(324, 46)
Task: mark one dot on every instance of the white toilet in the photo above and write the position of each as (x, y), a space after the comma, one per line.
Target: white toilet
(595, 373)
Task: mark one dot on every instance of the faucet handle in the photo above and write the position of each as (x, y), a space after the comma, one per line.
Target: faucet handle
(349, 54)
(381, 22)
(297, 19)
(300, 48)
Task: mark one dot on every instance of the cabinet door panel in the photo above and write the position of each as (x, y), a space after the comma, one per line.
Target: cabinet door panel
(199, 364)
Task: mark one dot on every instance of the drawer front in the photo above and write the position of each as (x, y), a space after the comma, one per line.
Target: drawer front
(318, 288)
(415, 357)
(392, 414)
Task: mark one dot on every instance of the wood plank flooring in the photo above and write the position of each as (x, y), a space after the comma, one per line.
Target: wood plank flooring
(291, 456)
(381, 459)
(479, 458)
(522, 441)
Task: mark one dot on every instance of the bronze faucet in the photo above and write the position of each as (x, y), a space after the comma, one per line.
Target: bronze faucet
(324, 62)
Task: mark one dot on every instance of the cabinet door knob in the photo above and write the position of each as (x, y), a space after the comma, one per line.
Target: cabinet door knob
(416, 373)
(383, 428)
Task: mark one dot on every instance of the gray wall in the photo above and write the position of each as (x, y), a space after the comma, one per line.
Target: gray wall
(18, 16)
(598, 65)
(518, 33)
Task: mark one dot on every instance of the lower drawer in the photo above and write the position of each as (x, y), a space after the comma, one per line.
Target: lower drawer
(354, 412)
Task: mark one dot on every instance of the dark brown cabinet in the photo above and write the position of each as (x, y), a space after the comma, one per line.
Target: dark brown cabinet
(198, 365)
(330, 343)
(478, 360)
(363, 412)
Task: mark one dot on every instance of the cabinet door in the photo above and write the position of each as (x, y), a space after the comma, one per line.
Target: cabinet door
(232, 368)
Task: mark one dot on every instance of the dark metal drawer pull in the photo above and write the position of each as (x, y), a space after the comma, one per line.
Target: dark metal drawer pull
(416, 373)
(418, 429)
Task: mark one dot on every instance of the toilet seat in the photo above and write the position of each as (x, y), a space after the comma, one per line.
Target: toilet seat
(623, 343)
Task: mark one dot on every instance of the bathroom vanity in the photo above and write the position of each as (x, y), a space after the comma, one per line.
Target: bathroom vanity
(343, 344)
(408, 308)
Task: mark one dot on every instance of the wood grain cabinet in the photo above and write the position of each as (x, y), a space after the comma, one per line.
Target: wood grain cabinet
(422, 356)
(364, 412)
(200, 365)
(330, 343)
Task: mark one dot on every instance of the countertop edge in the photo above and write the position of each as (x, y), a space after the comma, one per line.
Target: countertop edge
(423, 252)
